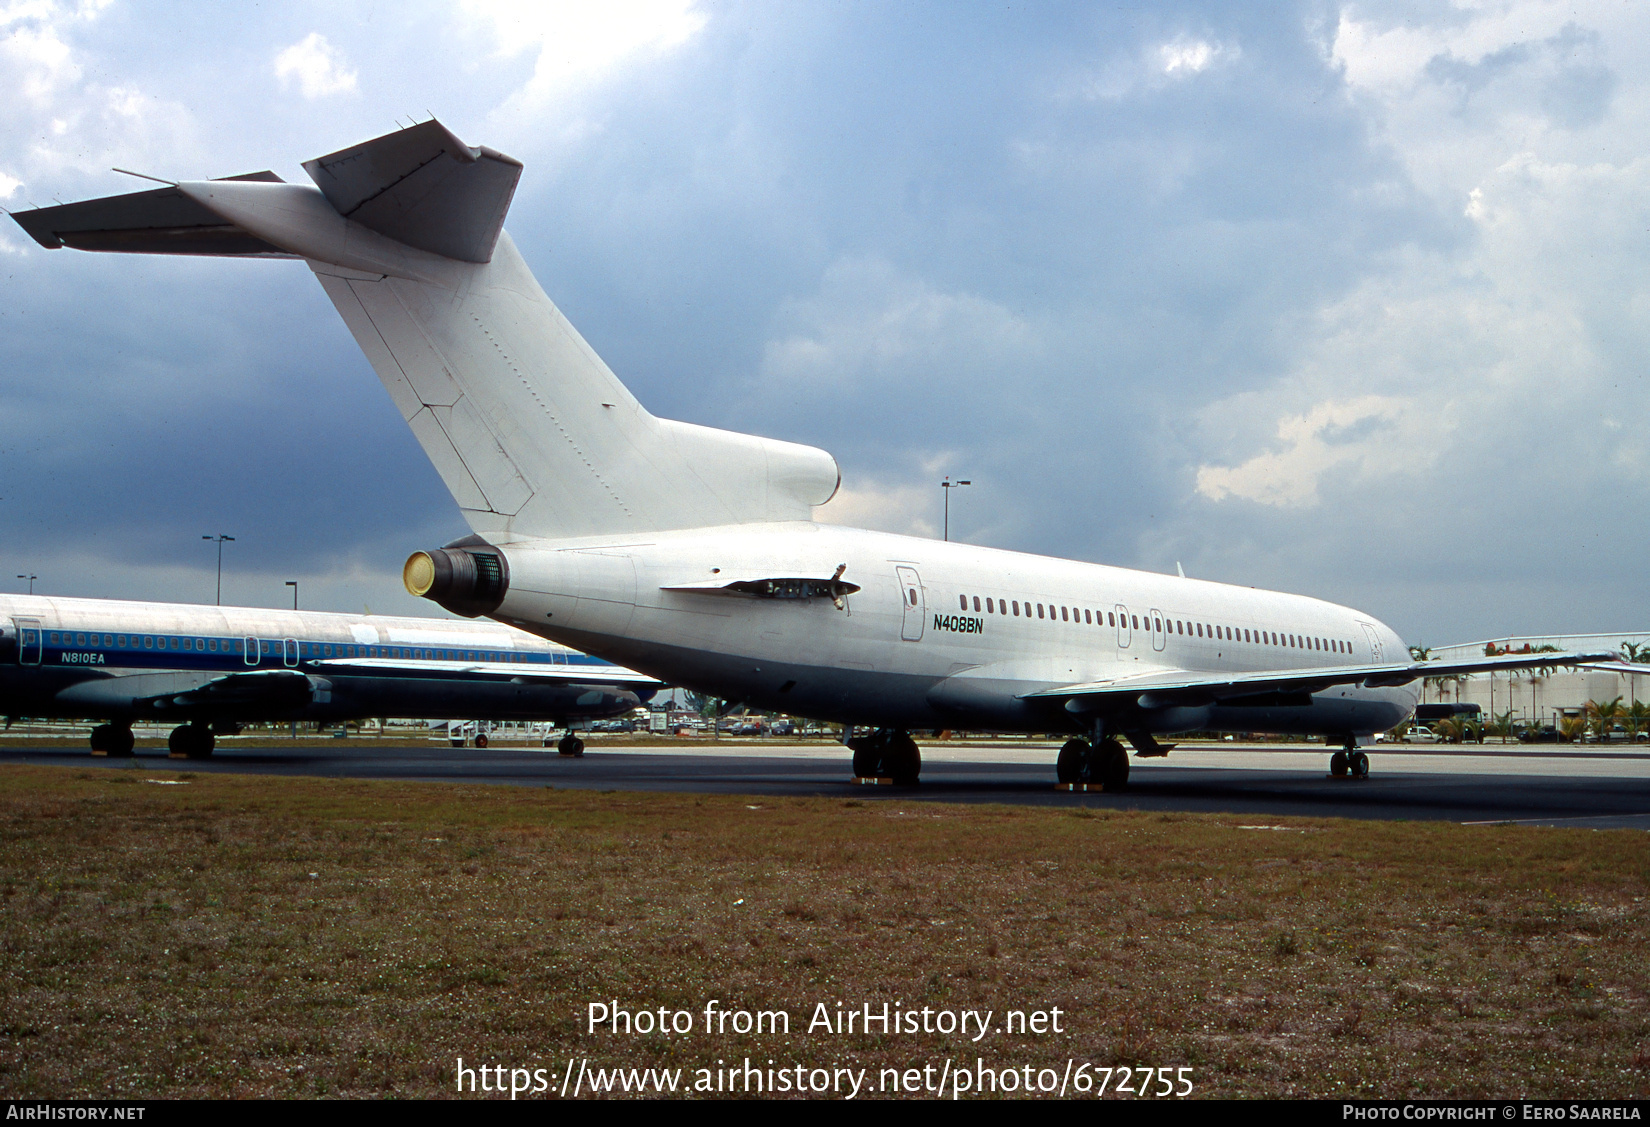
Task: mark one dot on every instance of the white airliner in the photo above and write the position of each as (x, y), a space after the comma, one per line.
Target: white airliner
(690, 553)
(213, 669)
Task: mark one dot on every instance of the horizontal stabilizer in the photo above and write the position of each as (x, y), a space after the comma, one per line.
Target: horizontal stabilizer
(422, 187)
(162, 221)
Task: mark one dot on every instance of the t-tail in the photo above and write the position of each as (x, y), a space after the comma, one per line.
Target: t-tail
(533, 434)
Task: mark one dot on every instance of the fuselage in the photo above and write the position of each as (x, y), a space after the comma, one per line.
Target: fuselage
(66, 657)
(939, 634)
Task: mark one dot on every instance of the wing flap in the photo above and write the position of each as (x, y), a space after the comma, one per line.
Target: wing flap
(1169, 687)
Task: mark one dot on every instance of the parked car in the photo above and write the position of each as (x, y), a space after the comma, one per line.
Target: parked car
(1420, 734)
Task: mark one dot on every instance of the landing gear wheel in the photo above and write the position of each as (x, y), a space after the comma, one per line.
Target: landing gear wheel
(1112, 765)
(887, 753)
(121, 742)
(1076, 763)
(903, 760)
(1358, 763)
(1338, 765)
(570, 746)
(190, 741)
(481, 739)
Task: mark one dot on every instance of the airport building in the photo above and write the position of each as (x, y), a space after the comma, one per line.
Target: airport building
(1540, 696)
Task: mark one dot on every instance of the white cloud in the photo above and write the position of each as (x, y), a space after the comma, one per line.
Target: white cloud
(1186, 56)
(1372, 436)
(869, 322)
(578, 43)
(8, 185)
(316, 66)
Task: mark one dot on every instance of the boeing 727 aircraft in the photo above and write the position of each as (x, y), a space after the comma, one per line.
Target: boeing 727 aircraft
(215, 668)
(691, 554)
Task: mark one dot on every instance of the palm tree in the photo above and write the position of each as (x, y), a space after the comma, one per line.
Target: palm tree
(1572, 728)
(1603, 716)
(1638, 718)
(1500, 725)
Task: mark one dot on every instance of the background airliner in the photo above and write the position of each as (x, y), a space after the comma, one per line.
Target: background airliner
(215, 668)
(690, 553)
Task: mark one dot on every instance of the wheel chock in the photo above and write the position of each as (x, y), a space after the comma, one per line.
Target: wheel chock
(872, 781)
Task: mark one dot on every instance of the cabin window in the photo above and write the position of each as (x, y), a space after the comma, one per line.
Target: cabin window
(976, 604)
(1063, 617)
(989, 608)
(1016, 608)
(963, 599)
(1039, 610)
(1086, 620)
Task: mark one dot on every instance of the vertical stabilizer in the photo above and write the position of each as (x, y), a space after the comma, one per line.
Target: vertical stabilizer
(530, 430)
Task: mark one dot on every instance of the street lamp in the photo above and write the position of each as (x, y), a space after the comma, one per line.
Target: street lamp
(31, 579)
(948, 485)
(220, 540)
(293, 583)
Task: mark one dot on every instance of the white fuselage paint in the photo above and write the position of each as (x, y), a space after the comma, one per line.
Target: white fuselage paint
(882, 661)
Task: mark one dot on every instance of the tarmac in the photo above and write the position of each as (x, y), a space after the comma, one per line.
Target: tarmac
(1545, 786)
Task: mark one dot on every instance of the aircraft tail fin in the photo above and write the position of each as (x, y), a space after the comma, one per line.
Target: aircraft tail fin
(532, 433)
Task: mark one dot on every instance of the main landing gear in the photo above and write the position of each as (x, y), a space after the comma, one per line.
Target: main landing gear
(1349, 761)
(1105, 763)
(191, 741)
(887, 753)
(571, 746)
(113, 740)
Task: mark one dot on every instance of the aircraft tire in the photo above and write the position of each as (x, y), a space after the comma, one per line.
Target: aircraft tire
(570, 746)
(191, 741)
(865, 757)
(120, 742)
(902, 759)
(99, 738)
(1075, 763)
(1358, 764)
(1338, 764)
(1113, 764)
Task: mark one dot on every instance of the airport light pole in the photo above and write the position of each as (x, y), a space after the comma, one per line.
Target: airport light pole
(948, 485)
(31, 579)
(293, 583)
(220, 540)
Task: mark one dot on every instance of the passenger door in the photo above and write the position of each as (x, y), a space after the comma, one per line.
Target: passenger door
(30, 640)
(913, 602)
(1154, 618)
(1124, 634)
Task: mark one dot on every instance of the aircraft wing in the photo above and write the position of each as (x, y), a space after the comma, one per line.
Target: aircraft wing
(1168, 687)
(528, 674)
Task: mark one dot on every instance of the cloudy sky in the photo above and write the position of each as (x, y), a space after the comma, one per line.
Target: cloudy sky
(1351, 300)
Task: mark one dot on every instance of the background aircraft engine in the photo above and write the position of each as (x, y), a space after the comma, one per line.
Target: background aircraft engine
(467, 581)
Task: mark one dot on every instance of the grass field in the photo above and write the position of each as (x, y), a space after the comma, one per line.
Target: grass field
(169, 934)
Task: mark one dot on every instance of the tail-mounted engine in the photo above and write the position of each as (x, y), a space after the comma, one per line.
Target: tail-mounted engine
(468, 576)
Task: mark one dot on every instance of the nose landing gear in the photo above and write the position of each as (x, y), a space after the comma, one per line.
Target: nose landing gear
(1349, 761)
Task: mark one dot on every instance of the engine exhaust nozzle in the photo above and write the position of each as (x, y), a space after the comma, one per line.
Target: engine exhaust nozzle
(466, 581)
